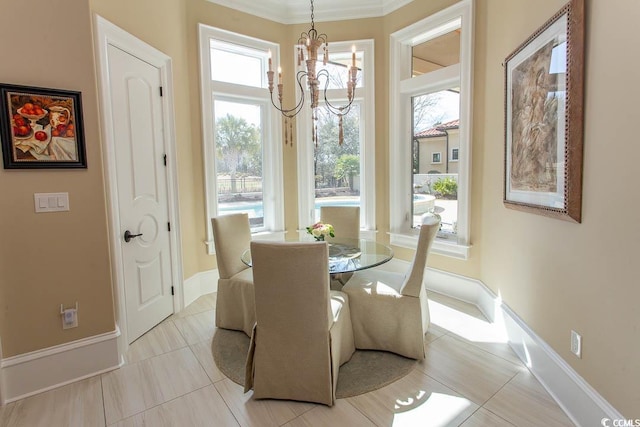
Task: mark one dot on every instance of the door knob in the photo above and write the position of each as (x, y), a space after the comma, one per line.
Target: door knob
(128, 236)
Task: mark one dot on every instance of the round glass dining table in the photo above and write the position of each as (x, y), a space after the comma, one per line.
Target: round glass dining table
(349, 255)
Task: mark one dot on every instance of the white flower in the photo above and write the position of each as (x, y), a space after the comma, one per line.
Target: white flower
(320, 230)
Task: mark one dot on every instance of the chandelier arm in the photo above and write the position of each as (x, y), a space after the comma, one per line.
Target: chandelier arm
(285, 112)
(292, 112)
(336, 110)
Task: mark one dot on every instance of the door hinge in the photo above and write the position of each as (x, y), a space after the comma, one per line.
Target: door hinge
(160, 90)
(165, 159)
(168, 226)
(172, 290)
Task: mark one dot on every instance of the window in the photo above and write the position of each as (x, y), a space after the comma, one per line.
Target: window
(228, 58)
(242, 157)
(334, 174)
(337, 167)
(430, 115)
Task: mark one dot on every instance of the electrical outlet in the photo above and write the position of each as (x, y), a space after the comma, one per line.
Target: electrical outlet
(69, 318)
(576, 344)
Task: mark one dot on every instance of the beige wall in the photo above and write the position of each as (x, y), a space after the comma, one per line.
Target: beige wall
(428, 146)
(562, 276)
(49, 259)
(439, 144)
(557, 275)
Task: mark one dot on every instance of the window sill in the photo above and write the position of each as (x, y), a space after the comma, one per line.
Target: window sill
(440, 246)
(276, 236)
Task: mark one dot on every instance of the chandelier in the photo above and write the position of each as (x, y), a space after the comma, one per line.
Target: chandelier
(309, 45)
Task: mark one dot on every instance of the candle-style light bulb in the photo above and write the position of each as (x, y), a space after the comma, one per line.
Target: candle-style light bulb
(270, 66)
(279, 75)
(353, 56)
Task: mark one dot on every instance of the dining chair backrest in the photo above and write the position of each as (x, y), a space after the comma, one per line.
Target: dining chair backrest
(231, 237)
(414, 278)
(345, 220)
(292, 358)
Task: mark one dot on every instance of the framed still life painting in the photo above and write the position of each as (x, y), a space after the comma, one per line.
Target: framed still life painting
(544, 118)
(41, 128)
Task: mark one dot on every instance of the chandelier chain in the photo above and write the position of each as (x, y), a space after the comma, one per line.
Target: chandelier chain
(312, 23)
(308, 49)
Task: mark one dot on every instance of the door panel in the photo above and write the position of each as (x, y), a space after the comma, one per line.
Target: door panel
(142, 190)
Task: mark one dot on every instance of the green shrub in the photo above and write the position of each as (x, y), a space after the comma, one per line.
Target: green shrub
(446, 187)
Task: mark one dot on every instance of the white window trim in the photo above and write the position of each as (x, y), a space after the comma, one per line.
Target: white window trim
(272, 187)
(439, 154)
(401, 87)
(306, 183)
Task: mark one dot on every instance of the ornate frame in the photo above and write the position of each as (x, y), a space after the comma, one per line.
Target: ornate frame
(544, 91)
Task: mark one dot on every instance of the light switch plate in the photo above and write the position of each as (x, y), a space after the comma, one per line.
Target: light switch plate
(51, 202)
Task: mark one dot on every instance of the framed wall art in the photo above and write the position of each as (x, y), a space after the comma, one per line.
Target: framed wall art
(544, 88)
(41, 128)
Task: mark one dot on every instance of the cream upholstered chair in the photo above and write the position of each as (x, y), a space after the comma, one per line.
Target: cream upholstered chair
(235, 306)
(390, 310)
(345, 220)
(346, 225)
(303, 330)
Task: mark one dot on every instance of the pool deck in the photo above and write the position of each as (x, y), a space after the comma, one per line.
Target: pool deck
(447, 209)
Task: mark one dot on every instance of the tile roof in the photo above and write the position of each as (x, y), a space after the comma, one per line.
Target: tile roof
(438, 130)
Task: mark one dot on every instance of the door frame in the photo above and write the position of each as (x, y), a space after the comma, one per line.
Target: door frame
(107, 34)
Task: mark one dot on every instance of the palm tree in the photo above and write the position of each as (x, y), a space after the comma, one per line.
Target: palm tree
(237, 142)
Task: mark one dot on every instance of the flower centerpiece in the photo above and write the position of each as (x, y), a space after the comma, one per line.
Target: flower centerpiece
(320, 230)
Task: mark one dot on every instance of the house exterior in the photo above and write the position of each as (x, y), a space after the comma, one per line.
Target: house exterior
(439, 148)
(556, 276)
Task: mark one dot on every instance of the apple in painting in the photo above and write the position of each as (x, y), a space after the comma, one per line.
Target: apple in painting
(21, 130)
(41, 136)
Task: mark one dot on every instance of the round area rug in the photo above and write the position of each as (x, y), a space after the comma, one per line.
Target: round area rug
(367, 370)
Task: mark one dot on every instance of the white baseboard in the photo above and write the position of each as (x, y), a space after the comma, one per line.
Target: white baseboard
(27, 374)
(31, 373)
(464, 289)
(581, 402)
(200, 284)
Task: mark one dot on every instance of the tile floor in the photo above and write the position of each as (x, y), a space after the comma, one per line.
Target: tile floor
(469, 378)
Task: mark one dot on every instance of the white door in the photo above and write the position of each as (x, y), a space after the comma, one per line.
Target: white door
(135, 89)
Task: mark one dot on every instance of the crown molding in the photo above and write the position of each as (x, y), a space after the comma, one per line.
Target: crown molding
(298, 11)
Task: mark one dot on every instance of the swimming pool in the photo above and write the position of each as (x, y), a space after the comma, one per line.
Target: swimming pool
(422, 203)
(256, 210)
